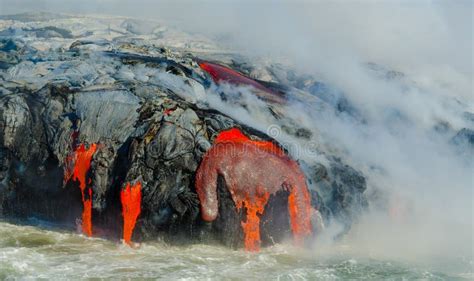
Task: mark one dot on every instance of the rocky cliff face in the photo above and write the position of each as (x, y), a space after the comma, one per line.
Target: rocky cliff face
(90, 107)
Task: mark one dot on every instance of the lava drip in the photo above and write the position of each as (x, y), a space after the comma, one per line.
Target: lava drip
(251, 227)
(300, 220)
(80, 163)
(131, 198)
(252, 171)
(87, 214)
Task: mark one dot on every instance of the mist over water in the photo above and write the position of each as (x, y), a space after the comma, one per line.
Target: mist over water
(31, 252)
(405, 68)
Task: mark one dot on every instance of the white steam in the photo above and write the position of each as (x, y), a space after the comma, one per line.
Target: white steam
(429, 210)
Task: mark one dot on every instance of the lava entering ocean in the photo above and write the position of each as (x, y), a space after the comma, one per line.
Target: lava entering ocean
(251, 226)
(131, 198)
(253, 170)
(300, 226)
(80, 163)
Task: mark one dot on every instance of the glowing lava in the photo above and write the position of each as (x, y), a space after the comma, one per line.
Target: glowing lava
(87, 214)
(300, 225)
(251, 226)
(221, 74)
(253, 170)
(131, 198)
(168, 111)
(77, 166)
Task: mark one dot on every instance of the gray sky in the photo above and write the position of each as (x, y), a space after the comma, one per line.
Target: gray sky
(438, 31)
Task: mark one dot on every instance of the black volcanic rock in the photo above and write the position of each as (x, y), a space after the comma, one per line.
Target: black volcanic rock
(145, 108)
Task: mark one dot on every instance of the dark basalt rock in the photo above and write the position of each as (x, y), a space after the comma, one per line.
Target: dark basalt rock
(159, 142)
(148, 132)
(347, 197)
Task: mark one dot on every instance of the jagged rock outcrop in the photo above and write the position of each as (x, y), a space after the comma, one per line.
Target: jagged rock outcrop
(141, 112)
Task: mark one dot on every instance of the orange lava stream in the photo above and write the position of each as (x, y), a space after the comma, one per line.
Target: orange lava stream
(235, 135)
(254, 206)
(87, 215)
(80, 163)
(251, 181)
(221, 73)
(300, 220)
(131, 198)
(251, 226)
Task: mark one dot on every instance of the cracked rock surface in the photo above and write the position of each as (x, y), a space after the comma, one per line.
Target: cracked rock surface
(136, 90)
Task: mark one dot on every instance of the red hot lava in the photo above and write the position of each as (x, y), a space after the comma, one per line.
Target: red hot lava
(251, 226)
(168, 111)
(131, 198)
(253, 170)
(79, 162)
(221, 74)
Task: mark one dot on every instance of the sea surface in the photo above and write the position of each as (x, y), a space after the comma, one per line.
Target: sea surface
(30, 252)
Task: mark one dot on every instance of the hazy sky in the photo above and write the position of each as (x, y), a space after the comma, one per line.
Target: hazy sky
(442, 29)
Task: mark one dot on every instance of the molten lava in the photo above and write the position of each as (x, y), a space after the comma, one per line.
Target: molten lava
(77, 166)
(300, 225)
(251, 226)
(221, 74)
(235, 135)
(253, 170)
(131, 198)
(168, 111)
(87, 215)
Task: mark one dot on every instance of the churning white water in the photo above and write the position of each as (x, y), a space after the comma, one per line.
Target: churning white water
(34, 252)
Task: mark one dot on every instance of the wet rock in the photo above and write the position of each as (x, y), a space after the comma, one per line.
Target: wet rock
(15, 117)
(101, 171)
(8, 45)
(106, 115)
(145, 110)
(347, 198)
(7, 60)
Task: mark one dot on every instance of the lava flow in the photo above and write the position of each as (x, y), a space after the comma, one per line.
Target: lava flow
(251, 226)
(253, 170)
(131, 198)
(300, 226)
(221, 74)
(80, 163)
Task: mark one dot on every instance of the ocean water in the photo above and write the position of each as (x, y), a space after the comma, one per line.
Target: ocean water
(30, 252)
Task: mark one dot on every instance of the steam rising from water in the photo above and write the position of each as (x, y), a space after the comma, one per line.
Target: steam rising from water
(426, 206)
(29, 252)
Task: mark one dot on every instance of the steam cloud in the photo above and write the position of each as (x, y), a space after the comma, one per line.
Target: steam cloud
(428, 210)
